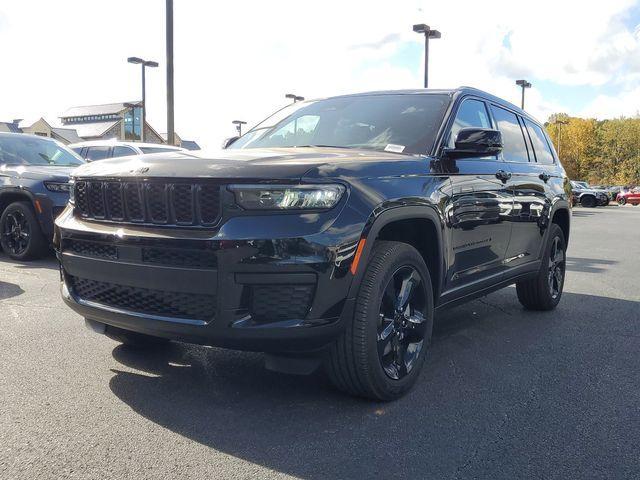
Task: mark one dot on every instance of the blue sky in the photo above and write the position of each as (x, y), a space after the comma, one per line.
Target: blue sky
(236, 60)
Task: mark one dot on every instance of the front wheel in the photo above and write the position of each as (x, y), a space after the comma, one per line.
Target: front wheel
(622, 201)
(588, 201)
(20, 234)
(383, 348)
(543, 292)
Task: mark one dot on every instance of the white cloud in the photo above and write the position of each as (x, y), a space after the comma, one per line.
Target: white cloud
(238, 59)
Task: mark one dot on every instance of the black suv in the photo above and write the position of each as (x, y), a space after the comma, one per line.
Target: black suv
(330, 233)
(34, 189)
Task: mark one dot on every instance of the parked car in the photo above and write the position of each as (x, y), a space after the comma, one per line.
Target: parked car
(586, 196)
(102, 149)
(328, 234)
(631, 196)
(34, 189)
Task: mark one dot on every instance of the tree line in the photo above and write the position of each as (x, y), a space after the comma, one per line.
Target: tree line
(602, 152)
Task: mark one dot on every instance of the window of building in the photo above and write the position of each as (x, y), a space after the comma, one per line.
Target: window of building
(514, 148)
(540, 145)
(132, 124)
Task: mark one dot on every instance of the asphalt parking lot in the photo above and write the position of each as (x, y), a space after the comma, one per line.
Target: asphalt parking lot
(506, 393)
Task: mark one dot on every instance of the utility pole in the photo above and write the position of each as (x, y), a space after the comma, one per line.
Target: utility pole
(144, 64)
(559, 124)
(428, 33)
(523, 84)
(171, 137)
(294, 97)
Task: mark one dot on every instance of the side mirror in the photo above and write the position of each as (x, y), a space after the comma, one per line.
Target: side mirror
(229, 141)
(476, 142)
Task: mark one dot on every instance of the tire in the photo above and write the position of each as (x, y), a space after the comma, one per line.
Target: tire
(588, 201)
(377, 356)
(622, 201)
(20, 235)
(133, 339)
(544, 292)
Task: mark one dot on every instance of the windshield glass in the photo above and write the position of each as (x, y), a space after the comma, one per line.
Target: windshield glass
(25, 150)
(400, 123)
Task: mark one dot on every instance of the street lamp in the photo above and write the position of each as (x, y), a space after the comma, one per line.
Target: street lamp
(238, 124)
(524, 84)
(559, 124)
(144, 64)
(428, 33)
(294, 97)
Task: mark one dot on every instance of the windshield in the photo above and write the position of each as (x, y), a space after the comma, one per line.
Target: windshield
(400, 123)
(25, 150)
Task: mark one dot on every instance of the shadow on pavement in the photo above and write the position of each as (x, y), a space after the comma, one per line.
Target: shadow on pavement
(8, 290)
(501, 385)
(588, 265)
(49, 262)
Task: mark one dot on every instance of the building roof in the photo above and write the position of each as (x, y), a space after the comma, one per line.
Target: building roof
(93, 129)
(11, 127)
(104, 109)
(69, 135)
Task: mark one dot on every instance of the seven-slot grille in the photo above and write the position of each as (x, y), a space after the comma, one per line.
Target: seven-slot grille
(159, 203)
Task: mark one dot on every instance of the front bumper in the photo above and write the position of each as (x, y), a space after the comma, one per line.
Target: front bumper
(277, 295)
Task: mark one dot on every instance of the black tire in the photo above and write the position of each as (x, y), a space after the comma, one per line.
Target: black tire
(588, 201)
(20, 235)
(133, 339)
(622, 201)
(354, 363)
(544, 291)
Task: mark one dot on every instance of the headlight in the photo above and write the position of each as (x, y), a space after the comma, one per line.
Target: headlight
(287, 197)
(58, 186)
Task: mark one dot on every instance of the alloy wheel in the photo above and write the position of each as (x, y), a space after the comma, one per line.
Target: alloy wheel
(402, 322)
(555, 276)
(16, 232)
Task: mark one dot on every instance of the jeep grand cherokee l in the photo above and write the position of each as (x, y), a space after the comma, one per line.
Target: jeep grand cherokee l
(330, 233)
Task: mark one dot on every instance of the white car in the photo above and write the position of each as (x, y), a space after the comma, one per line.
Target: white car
(101, 149)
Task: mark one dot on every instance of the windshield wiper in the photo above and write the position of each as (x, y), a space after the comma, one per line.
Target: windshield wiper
(322, 146)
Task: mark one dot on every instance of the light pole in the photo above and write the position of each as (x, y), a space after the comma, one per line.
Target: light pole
(428, 33)
(294, 97)
(238, 124)
(559, 124)
(144, 64)
(523, 84)
(171, 134)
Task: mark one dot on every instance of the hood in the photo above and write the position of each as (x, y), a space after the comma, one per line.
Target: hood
(38, 172)
(256, 164)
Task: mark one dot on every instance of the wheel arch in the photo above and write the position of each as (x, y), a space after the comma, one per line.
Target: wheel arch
(562, 217)
(399, 224)
(11, 195)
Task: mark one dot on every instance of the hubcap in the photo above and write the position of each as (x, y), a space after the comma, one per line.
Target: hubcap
(402, 322)
(556, 268)
(16, 232)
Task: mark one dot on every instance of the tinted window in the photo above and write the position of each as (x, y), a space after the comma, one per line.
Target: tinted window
(157, 149)
(514, 149)
(393, 122)
(540, 146)
(18, 149)
(120, 151)
(97, 153)
(472, 113)
(78, 150)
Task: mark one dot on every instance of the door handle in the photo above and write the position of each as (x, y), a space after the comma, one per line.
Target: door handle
(544, 176)
(503, 175)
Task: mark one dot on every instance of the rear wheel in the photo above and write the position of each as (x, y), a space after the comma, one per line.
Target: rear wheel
(622, 201)
(383, 348)
(133, 339)
(20, 234)
(543, 292)
(588, 201)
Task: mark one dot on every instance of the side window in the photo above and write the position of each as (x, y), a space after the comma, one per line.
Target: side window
(515, 149)
(540, 145)
(97, 153)
(472, 113)
(121, 151)
(78, 150)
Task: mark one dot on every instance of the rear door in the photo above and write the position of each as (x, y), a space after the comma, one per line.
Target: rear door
(478, 206)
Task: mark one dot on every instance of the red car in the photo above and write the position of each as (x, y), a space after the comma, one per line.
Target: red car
(631, 196)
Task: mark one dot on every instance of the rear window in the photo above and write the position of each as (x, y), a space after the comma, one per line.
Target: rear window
(541, 147)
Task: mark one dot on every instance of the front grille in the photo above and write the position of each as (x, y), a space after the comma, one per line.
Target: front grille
(144, 300)
(154, 202)
(280, 302)
(91, 249)
(177, 257)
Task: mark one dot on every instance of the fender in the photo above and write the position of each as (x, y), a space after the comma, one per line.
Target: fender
(379, 219)
(18, 190)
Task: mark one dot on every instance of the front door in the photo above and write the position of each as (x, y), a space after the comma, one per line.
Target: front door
(478, 206)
